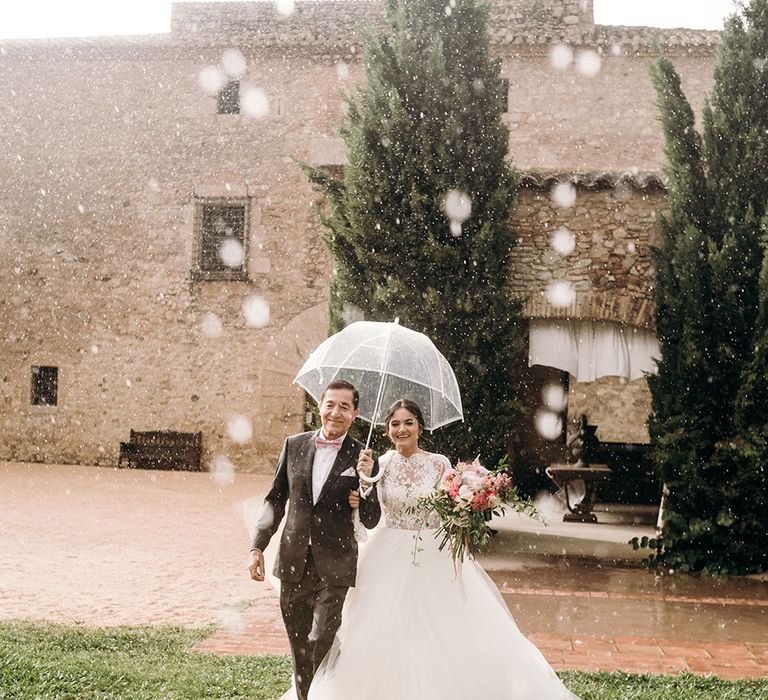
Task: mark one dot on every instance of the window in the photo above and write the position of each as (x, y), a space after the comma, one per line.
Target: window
(229, 98)
(221, 226)
(45, 386)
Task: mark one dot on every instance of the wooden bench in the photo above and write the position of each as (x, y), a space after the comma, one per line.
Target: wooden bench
(162, 449)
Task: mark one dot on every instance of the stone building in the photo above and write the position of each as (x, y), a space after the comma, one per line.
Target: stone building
(126, 161)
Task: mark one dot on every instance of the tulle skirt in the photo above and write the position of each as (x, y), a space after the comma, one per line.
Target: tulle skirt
(417, 628)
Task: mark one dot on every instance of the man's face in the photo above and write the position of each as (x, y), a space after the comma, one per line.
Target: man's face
(337, 411)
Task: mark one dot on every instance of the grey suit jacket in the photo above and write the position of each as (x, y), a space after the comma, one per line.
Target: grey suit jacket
(328, 522)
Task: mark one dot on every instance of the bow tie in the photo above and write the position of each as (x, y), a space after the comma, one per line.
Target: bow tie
(320, 441)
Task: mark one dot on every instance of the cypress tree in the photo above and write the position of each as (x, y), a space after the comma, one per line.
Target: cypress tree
(707, 425)
(419, 224)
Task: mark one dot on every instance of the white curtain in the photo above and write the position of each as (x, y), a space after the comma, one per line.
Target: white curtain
(592, 349)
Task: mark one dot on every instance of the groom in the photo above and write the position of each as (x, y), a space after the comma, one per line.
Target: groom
(317, 559)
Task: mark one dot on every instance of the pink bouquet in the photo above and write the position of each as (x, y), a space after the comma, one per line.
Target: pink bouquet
(465, 499)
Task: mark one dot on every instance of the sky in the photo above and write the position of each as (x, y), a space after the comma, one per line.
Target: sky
(48, 18)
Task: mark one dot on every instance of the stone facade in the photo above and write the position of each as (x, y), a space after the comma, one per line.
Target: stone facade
(110, 145)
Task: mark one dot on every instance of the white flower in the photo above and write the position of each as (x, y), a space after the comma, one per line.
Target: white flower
(466, 492)
(474, 481)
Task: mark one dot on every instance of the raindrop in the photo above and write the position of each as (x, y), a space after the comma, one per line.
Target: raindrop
(211, 79)
(256, 311)
(561, 56)
(254, 102)
(342, 71)
(234, 63)
(211, 325)
(631, 247)
(448, 11)
(153, 184)
(588, 63)
(478, 85)
(563, 241)
(458, 206)
(549, 425)
(564, 195)
(231, 253)
(81, 208)
(759, 63)
(351, 313)
(239, 428)
(285, 7)
(95, 349)
(615, 49)
(554, 397)
(128, 383)
(222, 470)
(231, 619)
(561, 294)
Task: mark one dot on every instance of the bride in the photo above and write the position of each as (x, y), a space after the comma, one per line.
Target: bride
(415, 627)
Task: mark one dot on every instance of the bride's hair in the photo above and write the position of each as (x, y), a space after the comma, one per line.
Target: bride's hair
(409, 406)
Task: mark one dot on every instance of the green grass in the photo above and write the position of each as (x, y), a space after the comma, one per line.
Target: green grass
(43, 662)
(630, 686)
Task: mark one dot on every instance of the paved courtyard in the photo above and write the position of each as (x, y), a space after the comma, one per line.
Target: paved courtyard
(109, 547)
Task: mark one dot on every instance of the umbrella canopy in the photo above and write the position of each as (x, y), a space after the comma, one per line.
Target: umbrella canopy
(386, 362)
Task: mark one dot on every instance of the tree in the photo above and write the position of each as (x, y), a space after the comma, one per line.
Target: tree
(707, 423)
(418, 226)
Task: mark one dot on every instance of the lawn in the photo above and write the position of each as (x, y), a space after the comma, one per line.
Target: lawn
(43, 662)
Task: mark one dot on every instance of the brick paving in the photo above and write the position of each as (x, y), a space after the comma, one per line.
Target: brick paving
(260, 631)
(104, 547)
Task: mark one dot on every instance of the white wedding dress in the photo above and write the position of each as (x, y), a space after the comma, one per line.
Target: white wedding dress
(426, 630)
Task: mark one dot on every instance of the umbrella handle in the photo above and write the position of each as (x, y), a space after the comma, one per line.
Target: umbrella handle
(370, 480)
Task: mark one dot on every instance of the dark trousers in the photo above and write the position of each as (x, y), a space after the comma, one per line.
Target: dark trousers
(312, 614)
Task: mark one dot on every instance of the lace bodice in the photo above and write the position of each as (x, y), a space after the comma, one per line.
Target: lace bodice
(405, 481)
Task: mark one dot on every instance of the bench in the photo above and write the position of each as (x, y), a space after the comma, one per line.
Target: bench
(162, 449)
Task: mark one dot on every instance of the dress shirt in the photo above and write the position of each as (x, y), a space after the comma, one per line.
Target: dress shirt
(321, 467)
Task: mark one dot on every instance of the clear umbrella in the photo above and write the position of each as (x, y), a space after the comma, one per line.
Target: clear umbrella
(386, 362)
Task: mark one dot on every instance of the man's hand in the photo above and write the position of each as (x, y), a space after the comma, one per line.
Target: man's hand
(256, 565)
(354, 499)
(365, 463)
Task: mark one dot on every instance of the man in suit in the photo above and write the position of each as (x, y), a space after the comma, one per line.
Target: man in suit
(317, 559)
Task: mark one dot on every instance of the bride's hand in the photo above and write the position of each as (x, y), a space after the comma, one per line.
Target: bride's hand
(365, 462)
(354, 499)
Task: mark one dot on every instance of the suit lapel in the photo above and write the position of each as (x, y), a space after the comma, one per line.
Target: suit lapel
(304, 460)
(344, 459)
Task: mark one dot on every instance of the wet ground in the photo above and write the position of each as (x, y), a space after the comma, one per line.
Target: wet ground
(107, 547)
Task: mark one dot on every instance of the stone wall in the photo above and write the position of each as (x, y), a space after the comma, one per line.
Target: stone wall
(618, 408)
(105, 157)
(108, 143)
(610, 267)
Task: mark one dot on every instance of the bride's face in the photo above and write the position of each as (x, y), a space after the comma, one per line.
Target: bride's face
(403, 431)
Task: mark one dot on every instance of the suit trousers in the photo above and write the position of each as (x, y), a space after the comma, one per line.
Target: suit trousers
(311, 611)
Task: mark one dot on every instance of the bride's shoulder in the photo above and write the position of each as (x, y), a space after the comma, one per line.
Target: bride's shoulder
(386, 457)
